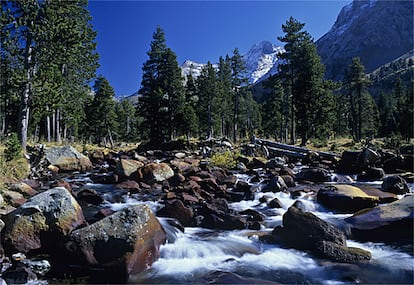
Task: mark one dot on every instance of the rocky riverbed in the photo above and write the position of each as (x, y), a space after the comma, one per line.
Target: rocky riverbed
(158, 216)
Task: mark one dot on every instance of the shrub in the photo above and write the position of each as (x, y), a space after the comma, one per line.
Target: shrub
(226, 159)
(13, 148)
(393, 141)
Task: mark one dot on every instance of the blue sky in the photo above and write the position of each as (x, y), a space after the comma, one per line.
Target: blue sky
(196, 30)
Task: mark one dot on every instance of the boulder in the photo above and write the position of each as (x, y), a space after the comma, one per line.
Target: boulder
(122, 244)
(176, 209)
(276, 184)
(302, 230)
(305, 231)
(66, 158)
(395, 184)
(42, 221)
(345, 198)
(390, 222)
(340, 253)
(23, 189)
(314, 175)
(126, 167)
(130, 185)
(384, 197)
(275, 203)
(371, 174)
(155, 172)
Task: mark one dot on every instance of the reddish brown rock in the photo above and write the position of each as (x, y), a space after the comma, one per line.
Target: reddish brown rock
(155, 172)
(126, 167)
(124, 243)
(129, 185)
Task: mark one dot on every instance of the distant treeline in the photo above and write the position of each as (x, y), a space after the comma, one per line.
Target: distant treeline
(49, 60)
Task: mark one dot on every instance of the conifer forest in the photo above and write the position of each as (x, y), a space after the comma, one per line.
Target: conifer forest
(50, 90)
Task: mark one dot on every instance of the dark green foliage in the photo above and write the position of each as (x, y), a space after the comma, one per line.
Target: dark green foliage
(208, 88)
(48, 55)
(162, 91)
(272, 112)
(311, 104)
(13, 148)
(363, 112)
(128, 121)
(102, 116)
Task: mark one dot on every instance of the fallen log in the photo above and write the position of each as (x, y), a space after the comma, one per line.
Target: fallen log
(295, 151)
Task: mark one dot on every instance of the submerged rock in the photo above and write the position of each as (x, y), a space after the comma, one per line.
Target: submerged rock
(345, 198)
(122, 244)
(42, 221)
(390, 222)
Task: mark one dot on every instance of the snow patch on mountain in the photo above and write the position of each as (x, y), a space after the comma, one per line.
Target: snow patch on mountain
(261, 61)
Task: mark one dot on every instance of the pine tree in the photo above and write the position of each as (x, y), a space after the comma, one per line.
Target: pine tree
(103, 119)
(356, 82)
(293, 37)
(162, 90)
(223, 101)
(55, 60)
(302, 73)
(239, 79)
(272, 110)
(207, 86)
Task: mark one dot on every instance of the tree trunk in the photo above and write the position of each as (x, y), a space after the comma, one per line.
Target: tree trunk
(353, 116)
(111, 141)
(58, 135)
(48, 125)
(25, 97)
(359, 113)
(54, 125)
(235, 117)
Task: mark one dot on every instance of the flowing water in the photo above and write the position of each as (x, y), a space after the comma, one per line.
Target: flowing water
(205, 256)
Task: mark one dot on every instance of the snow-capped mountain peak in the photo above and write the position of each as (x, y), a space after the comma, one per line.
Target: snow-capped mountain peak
(261, 59)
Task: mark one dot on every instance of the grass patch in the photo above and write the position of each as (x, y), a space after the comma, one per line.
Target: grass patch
(13, 170)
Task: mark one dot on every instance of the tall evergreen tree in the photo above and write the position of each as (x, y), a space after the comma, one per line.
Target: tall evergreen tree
(293, 38)
(207, 86)
(239, 79)
(356, 82)
(103, 119)
(55, 58)
(302, 73)
(162, 90)
(272, 110)
(223, 101)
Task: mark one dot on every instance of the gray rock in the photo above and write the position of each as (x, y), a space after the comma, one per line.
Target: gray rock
(41, 221)
(66, 158)
(345, 198)
(390, 222)
(395, 184)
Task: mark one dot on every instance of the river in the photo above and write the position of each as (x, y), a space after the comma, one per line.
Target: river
(204, 256)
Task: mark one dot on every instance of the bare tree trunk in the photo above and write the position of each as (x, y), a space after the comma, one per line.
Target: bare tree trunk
(54, 125)
(48, 125)
(111, 141)
(24, 100)
(58, 135)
